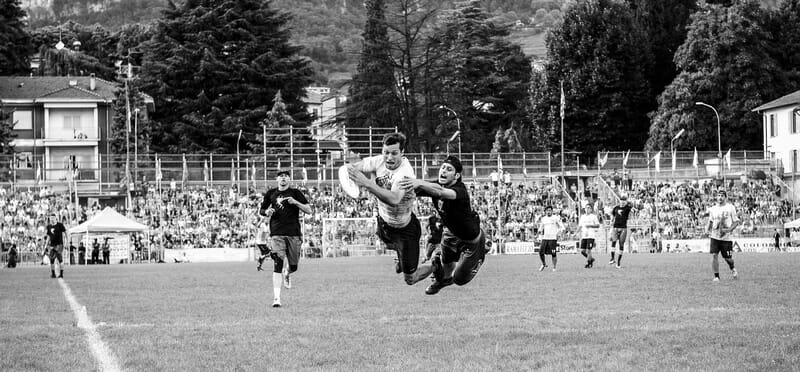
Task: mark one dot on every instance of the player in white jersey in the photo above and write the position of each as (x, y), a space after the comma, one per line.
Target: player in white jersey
(550, 225)
(398, 227)
(588, 225)
(722, 220)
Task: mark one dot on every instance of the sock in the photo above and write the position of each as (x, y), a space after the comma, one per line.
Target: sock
(52, 272)
(541, 257)
(619, 259)
(716, 275)
(612, 254)
(62, 273)
(583, 252)
(277, 281)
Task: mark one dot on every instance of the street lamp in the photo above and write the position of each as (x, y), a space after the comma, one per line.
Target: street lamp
(719, 137)
(136, 144)
(453, 137)
(458, 123)
(672, 149)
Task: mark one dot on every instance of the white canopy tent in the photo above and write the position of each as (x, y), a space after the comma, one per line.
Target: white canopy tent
(106, 222)
(793, 224)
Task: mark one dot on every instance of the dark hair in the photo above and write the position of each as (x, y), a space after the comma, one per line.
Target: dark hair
(452, 160)
(396, 137)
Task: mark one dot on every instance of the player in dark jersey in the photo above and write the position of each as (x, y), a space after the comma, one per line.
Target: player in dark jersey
(435, 238)
(619, 233)
(56, 232)
(283, 206)
(463, 247)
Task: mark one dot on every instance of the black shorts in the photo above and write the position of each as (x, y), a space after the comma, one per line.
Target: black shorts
(724, 247)
(55, 253)
(468, 255)
(587, 244)
(549, 246)
(404, 240)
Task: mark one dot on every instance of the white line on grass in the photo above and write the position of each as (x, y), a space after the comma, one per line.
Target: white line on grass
(100, 351)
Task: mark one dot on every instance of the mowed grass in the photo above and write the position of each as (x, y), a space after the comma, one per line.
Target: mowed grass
(658, 313)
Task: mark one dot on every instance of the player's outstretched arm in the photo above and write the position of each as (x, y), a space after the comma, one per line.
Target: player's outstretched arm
(430, 188)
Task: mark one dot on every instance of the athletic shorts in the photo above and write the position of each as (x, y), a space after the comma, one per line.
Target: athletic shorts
(403, 240)
(724, 247)
(468, 255)
(549, 246)
(287, 248)
(55, 253)
(587, 244)
(619, 234)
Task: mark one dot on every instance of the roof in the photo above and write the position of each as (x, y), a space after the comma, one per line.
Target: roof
(790, 99)
(312, 98)
(55, 88)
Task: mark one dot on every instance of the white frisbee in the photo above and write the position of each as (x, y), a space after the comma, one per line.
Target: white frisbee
(350, 188)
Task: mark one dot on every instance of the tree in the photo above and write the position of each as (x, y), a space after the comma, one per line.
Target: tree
(83, 50)
(597, 53)
(724, 62)
(373, 100)
(212, 67)
(6, 133)
(483, 77)
(15, 43)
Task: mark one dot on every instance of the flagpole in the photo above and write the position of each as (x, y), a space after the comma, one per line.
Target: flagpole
(563, 103)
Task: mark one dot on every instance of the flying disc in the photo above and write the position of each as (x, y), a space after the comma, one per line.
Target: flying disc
(350, 188)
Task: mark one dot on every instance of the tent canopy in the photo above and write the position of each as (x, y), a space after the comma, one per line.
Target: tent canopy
(793, 224)
(108, 221)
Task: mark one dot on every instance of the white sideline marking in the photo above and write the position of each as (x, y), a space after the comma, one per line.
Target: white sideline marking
(100, 351)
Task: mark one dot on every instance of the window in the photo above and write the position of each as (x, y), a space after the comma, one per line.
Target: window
(23, 160)
(793, 119)
(794, 161)
(772, 125)
(23, 120)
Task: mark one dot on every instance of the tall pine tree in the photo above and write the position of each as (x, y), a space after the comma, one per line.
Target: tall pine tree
(15, 43)
(213, 67)
(373, 99)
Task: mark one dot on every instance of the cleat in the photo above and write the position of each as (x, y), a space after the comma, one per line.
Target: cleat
(715, 279)
(397, 268)
(53, 276)
(438, 268)
(612, 262)
(276, 302)
(287, 279)
(554, 269)
(587, 266)
(591, 263)
(735, 274)
(437, 285)
(260, 262)
(541, 268)
(619, 267)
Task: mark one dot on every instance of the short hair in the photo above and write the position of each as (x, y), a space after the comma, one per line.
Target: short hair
(396, 137)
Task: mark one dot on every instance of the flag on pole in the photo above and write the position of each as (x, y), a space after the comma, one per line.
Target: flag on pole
(695, 161)
(625, 158)
(185, 177)
(728, 159)
(563, 101)
(205, 170)
(254, 172)
(424, 171)
(233, 173)
(499, 163)
(474, 168)
(657, 160)
(603, 160)
(38, 172)
(305, 175)
(674, 161)
(159, 175)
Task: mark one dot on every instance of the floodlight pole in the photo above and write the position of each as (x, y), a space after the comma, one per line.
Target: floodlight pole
(719, 137)
(458, 123)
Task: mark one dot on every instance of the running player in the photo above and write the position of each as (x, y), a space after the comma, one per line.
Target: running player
(722, 220)
(398, 227)
(463, 248)
(551, 226)
(283, 206)
(588, 225)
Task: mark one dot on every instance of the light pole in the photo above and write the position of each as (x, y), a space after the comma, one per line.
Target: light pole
(453, 137)
(719, 137)
(136, 144)
(672, 149)
(458, 123)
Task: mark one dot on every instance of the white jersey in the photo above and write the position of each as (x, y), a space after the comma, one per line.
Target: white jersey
(722, 217)
(585, 221)
(395, 216)
(550, 227)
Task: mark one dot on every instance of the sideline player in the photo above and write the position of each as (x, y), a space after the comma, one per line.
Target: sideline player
(551, 226)
(722, 220)
(56, 234)
(588, 225)
(398, 227)
(283, 206)
(619, 233)
(463, 247)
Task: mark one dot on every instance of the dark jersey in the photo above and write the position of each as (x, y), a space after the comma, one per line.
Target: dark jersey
(620, 215)
(457, 215)
(286, 218)
(55, 233)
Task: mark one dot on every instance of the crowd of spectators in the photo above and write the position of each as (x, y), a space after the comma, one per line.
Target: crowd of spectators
(206, 217)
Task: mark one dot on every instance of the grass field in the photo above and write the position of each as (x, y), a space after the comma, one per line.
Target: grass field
(658, 313)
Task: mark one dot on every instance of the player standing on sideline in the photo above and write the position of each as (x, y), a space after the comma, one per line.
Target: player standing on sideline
(398, 227)
(551, 226)
(283, 206)
(56, 234)
(722, 219)
(463, 247)
(262, 242)
(619, 216)
(588, 224)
